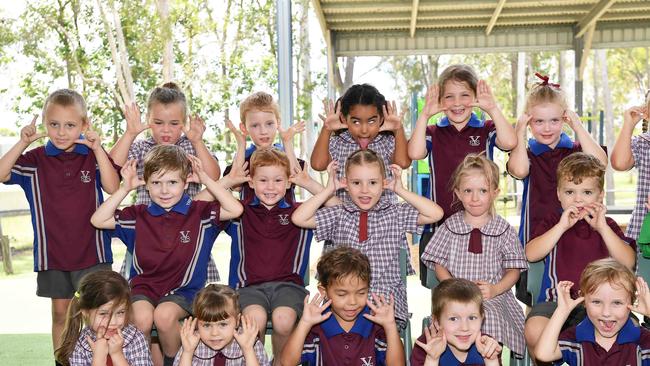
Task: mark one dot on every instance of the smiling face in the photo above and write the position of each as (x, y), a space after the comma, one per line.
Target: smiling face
(166, 188)
(365, 184)
(64, 124)
(348, 295)
(607, 310)
(457, 98)
(475, 194)
(261, 126)
(579, 195)
(217, 334)
(166, 121)
(363, 123)
(270, 184)
(108, 318)
(546, 123)
(461, 325)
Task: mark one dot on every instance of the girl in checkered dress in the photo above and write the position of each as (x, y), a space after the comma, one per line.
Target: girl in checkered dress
(97, 329)
(478, 245)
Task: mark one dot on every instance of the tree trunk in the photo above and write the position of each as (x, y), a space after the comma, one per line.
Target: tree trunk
(168, 48)
(343, 83)
(609, 123)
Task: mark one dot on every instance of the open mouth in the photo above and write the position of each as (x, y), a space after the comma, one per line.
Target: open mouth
(608, 326)
(365, 200)
(464, 338)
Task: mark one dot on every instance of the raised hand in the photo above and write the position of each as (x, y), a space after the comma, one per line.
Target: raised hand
(332, 118)
(100, 345)
(238, 174)
(247, 334)
(240, 136)
(312, 312)
(293, 130)
(116, 343)
(300, 177)
(487, 289)
(134, 123)
(198, 174)
(595, 215)
(29, 134)
(436, 343)
(189, 335)
(564, 301)
(194, 132)
(382, 311)
(92, 140)
(333, 181)
(484, 97)
(432, 104)
(522, 125)
(571, 118)
(570, 216)
(488, 347)
(635, 114)
(129, 173)
(642, 304)
(392, 119)
(395, 183)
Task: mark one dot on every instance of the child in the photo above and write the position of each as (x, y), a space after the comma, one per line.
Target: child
(546, 111)
(607, 336)
(336, 327)
(369, 220)
(454, 336)
(569, 240)
(479, 245)
(216, 340)
(459, 133)
(170, 239)
(102, 304)
(63, 183)
(167, 119)
(633, 152)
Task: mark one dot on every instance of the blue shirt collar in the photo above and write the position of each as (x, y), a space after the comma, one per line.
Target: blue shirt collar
(630, 333)
(362, 326)
(51, 150)
(181, 206)
(474, 121)
(281, 204)
(537, 148)
(473, 357)
(251, 149)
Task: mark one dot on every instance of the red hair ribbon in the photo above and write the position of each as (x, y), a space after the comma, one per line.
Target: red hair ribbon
(545, 80)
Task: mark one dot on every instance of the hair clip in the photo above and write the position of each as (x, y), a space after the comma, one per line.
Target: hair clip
(545, 80)
(77, 294)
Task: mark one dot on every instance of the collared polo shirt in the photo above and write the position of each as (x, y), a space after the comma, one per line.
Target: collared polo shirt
(267, 246)
(327, 344)
(63, 190)
(171, 248)
(447, 358)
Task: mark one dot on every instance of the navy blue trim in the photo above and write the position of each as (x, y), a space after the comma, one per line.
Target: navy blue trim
(182, 206)
(362, 326)
(474, 121)
(51, 150)
(629, 333)
(537, 148)
(281, 204)
(473, 357)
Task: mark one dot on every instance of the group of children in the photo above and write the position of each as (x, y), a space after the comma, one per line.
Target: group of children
(363, 214)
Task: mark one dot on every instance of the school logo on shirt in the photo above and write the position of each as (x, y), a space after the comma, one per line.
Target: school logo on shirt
(474, 140)
(284, 219)
(366, 361)
(185, 236)
(85, 176)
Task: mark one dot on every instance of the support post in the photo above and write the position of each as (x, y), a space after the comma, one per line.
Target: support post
(285, 76)
(6, 253)
(578, 45)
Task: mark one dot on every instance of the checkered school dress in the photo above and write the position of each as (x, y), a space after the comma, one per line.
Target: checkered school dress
(135, 348)
(388, 224)
(232, 353)
(504, 317)
(137, 151)
(641, 154)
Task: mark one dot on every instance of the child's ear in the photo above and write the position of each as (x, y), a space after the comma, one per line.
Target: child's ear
(343, 119)
(242, 127)
(387, 182)
(322, 291)
(343, 182)
(250, 184)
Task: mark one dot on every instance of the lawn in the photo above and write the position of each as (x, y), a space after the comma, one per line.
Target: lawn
(26, 349)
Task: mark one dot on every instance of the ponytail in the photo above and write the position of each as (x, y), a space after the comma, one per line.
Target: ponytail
(644, 125)
(71, 331)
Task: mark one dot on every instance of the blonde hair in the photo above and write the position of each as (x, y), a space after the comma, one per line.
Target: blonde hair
(364, 157)
(607, 270)
(455, 290)
(475, 162)
(168, 93)
(545, 92)
(66, 98)
(260, 101)
(164, 158)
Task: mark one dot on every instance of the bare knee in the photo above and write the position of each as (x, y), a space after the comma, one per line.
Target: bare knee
(257, 313)
(283, 319)
(533, 330)
(165, 319)
(59, 311)
(142, 315)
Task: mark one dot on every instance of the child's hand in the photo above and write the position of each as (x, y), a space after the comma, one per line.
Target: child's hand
(436, 343)
(395, 183)
(642, 297)
(312, 312)
(240, 136)
(571, 118)
(238, 174)
(392, 119)
(333, 182)
(488, 347)
(521, 128)
(634, 114)
(134, 123)
(194, 132)
(189, 335)
(570, 216)
(198, 175)
(383, 313)
(300, 177)
(595, 215)
(115, 343)
(432, 104)
(100, 345)
(484, 97)
(247, 335)
(487, 289)
(332, 118)
(295, 129)
(92, 140)
(129, 173)
(564, 301)
(29, 134)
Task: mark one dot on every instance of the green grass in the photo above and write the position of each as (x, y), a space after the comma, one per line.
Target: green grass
(26, 349)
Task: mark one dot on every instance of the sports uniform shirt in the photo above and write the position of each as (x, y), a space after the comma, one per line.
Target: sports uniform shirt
(447, 358)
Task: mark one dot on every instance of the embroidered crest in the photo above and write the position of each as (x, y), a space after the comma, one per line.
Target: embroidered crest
(284, 219)
(474, 140)
(185, 236)
(366, 361)
(85, 176)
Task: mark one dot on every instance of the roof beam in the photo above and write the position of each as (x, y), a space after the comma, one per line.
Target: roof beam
(592, 17)
(321, 17)
(495, 16)
(414, 16)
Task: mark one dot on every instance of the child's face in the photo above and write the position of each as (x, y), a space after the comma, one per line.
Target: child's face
(64, 124)
(219, 334)
(546, 123)
(607, 310)
(261, 127)
(348, 295)
(363, 123)
(270, 184)
(457, 98)
(475, 194)
(461, 325)
(107, 318)
(166, 121)
(579, 195)
(166, 188)
(365, 184)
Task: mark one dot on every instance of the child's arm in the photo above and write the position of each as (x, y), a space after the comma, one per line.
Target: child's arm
(536, 249)
(429, 211)
(28, 134)
(134, 126)
(115, 349)
(305, 215)
(506, 138)
(287, 141)
(384, 314)
(435, 346)
(643, 298)
(194, 133)
(548, 347)
(442, 273)
(622, 158)
(320, 155)
(104, 217)
(587, 142)
(247, 339)
(230, 206)
(189, 341)
(417, 146)
(393, 123)
(518, 164)
(312, 314)
(617, 247)
(489, 291)
(301, 178)
(110, 180)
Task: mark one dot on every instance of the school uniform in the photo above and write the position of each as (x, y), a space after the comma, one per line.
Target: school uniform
(380, 236)
(578, 346)
(483, 255)
(170, 248)
(576, 248)
(641, 154)
(63, 190)
(327, 344)
(135, 347)
(447, 358)
(231, 355)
